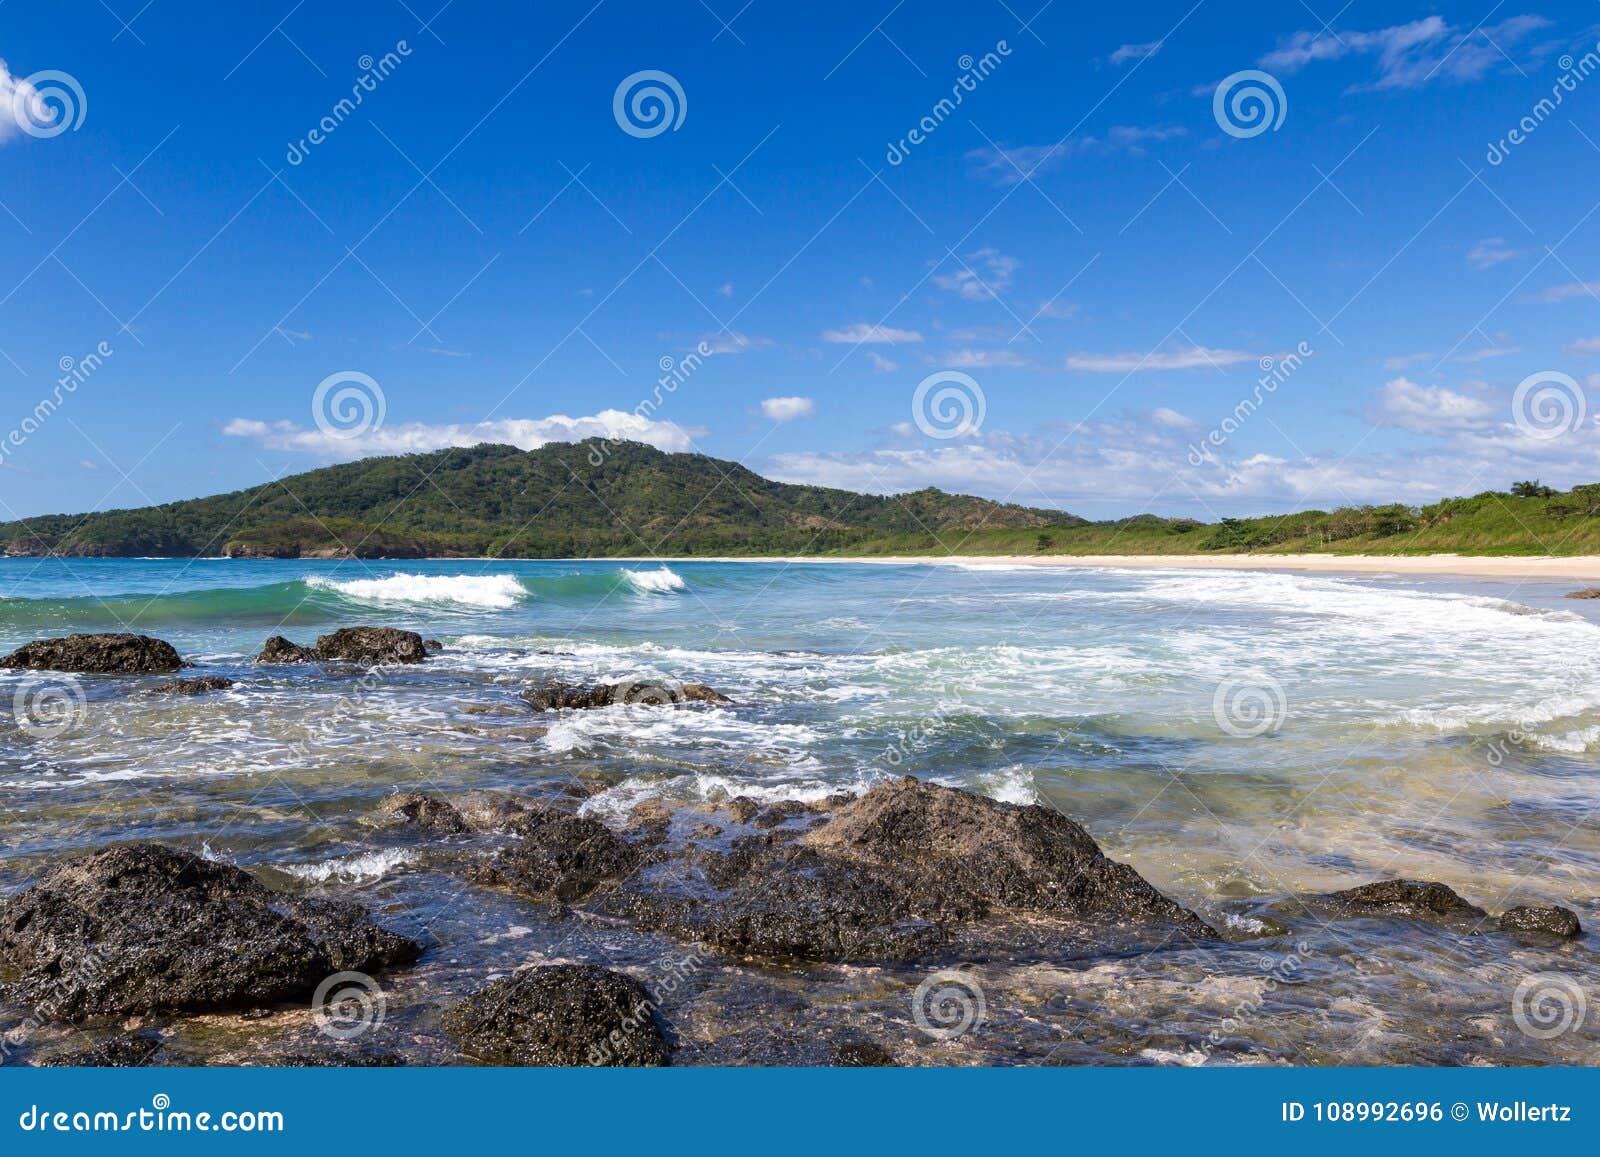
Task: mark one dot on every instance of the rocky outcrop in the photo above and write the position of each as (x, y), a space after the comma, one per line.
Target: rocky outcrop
(559, 856)
(561, 1014)
(558, 696)
(143, 928)
(1554, 921)
(280, 650)
(895, 875)
(369, 646)
(123, 1051)
(113, 654)
(425, 813)
(199, 686)
(1585, 593)
(1413, 899)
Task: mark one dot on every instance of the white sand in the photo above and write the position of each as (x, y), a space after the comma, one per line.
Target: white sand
(1585, 568)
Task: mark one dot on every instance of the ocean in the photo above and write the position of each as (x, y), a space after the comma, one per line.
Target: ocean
(1241, 738)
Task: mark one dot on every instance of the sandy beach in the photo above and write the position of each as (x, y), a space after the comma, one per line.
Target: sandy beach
(1582, 568)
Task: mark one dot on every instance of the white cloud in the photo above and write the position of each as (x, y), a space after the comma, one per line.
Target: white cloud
(1060, 310)
(1401, 361)
(863, 334)
(1487, 352)
(15, 90)
(1410, 55)
(1171, 419)
(1428, 409)
(787, 409)
(1129, 52)
(418, 437)
(1181, 359)
(881, 364)
(1489, 252)
(984, 275)
(1583, 347)
(1008, 164)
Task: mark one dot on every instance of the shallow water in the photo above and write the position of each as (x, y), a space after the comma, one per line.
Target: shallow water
(1240, 738)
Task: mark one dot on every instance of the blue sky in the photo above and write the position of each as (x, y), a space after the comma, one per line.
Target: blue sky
(1082, 238)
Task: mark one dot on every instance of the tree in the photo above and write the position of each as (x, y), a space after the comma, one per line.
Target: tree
(1531, 490)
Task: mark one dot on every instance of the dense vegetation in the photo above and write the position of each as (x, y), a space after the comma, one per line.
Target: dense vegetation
(595, 498)
(588, 498)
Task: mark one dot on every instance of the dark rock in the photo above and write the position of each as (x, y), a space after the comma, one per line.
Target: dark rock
(1416, 899)
(113, 654)
(424, 812)
(192, 686)
(123, 1051)
(559, 857)
(432, 645)
(894, 876)
(861, 1054)
(561, 1014)
(705, 831)
(558, 696)
(961, 853)
(369, 646)
(143, 928)
(344, 1058)
(781, 812)
(1556, 921)
(372, 646)
(1585, 593)
(743, 809)
(280, 650)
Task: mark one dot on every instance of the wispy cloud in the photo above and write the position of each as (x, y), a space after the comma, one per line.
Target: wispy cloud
(1570, 290)
(1008, 164)
(969, 359)
(733, 342)
(862, 333)
(881, 364)
(1129, 52)
(1489, 252)
(1402, 361)
(1584, 347)
(985, 274)
(1410, 55)
(418, 437)
(1188, 358)
(787, 409)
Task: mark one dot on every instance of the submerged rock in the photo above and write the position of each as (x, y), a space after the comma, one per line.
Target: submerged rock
(1417, 899)
(558, 696)
(561, 1014)
(1554, 920)
(111, 654)
(143, 928)
(124, 1051)
(198, 686)
(369, 646)
(425, 812)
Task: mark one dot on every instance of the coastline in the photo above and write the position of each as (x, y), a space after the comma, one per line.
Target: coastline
(1579, 568)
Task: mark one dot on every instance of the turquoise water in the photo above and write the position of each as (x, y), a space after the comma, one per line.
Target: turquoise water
(1239, 737)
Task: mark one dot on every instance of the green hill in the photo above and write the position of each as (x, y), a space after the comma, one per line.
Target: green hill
(561, 500)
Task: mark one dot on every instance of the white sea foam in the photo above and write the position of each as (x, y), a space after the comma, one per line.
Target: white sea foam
(490, 591)
(658, 581)
(354, 869)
